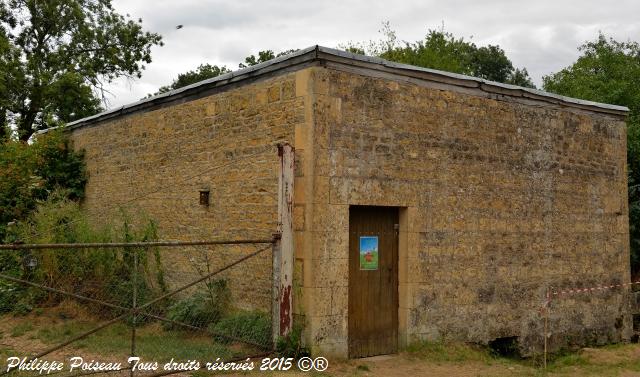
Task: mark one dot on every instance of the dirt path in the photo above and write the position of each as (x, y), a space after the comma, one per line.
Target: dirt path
(20, 337)
(403, 366)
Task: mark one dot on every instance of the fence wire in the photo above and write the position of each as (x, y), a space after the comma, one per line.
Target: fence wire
(170, 303)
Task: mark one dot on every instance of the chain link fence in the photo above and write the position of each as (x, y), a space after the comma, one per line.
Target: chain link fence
(169, 303)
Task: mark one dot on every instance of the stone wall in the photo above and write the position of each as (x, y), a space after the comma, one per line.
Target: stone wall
(500, 199)
(154, 163)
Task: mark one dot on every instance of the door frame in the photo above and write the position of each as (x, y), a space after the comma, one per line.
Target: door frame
(401, 267)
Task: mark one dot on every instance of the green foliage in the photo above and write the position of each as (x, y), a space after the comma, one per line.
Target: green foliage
(291, 345)
(609, 71)
(60, 166)
(443, 51)
(155, 344)
(9, 293)
(17, 299)
(262, 57)
(31, 172)
(445, 351)
(634, 221)
(363, 368)
(252, 326)
(208, 71)
(104, 274)
(564, 359)
(21, 329)
(203, 72)
(55, 54)
(204, 307)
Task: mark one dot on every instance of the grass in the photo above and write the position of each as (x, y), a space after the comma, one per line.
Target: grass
(568, 360)
(252, 326)
(6, 352)
(615, 359)
(448, 352)
(363, 367)
(155, 343)
(151, 341)
(21, 328)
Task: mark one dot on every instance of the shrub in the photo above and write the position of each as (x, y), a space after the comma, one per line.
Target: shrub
(9, 295)
(291, 345)
(104, 274)
(204, 307)
(31, 172)
(251, 326)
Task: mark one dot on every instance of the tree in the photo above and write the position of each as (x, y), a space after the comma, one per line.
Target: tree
(208, 71)
(31, 172)
(9, 78)
(609, 71)
(443, 51)
(203, 72)
(57, 55)
(263, 56)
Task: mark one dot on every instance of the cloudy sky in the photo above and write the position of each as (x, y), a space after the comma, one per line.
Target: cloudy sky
(541, 35)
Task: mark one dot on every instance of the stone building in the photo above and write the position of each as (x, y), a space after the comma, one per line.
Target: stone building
(427, 205)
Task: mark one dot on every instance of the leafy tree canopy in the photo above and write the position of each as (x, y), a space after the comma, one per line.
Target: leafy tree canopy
(442, 50)
(56, 56)
(203, 72)
(29, 173)
(439, 50)
(609, 71)
(263, 56)
(207, 71)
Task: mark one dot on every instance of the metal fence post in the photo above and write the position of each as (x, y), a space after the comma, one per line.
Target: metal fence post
(285, 223)
(546, 325)
(134, 304)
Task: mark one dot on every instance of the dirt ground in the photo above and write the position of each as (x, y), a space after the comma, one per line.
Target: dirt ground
(21, 338)
(619, 360)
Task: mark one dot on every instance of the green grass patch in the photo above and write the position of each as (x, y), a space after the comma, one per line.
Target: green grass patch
(567, 360)
(618, 360)
(6, 352)
(363, 368)
(152, 342)
(251, 326)
(448, 352)
(21, 328)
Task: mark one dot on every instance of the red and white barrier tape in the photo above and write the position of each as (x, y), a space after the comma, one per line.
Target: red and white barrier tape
(593, 289)
(550, 295)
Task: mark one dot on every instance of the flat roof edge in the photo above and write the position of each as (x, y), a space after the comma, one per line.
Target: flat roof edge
(324, 53)
(295, 58)
(530, 92)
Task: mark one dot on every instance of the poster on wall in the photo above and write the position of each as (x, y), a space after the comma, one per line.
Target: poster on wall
(369, 253)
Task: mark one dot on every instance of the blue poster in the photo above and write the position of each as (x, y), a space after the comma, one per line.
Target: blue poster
(369, 253)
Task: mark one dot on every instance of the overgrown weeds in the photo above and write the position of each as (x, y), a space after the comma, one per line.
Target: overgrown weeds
(99, 273)
(251, 326)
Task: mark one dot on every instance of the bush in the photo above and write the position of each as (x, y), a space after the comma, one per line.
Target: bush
(291, 345)
(204, 307)
(104, 274)
(634, 223)
(31, 172)
(9, 295)
(251, 326)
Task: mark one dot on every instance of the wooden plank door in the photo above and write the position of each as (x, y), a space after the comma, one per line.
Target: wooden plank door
(373, 281)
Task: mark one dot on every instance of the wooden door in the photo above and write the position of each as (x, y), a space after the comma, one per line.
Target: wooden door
(373, 281)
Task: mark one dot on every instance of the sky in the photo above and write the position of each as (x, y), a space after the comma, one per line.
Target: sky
(541, 35)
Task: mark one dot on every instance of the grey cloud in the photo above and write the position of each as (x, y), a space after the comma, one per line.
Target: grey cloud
(542, 36)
